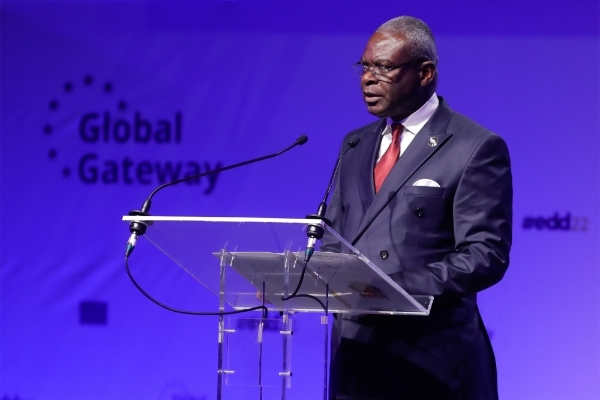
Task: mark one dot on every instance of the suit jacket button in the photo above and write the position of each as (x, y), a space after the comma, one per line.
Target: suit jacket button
(384, 254)
(419, 212)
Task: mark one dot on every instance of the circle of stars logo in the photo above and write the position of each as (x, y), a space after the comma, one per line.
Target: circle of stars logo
(69, 87)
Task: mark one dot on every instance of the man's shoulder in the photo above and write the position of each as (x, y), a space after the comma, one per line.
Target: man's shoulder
(460, 124)
(469, 135)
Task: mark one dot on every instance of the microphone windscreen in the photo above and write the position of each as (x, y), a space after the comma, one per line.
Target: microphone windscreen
(353, 142)
(301, 140)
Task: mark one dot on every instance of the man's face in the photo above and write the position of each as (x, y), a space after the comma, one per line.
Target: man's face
(396, 95)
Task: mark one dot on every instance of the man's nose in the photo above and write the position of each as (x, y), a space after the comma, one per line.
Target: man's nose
(369, 78)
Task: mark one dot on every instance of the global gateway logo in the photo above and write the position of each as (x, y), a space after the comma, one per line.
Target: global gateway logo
(114, 129)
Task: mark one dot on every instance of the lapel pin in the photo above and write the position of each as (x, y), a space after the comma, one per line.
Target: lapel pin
(433, 141)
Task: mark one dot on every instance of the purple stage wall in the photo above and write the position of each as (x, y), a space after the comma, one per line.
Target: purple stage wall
(103, 100)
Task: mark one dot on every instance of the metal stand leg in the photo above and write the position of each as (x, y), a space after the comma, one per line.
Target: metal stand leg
(220, 371)
(286, 374)
(325, 323)
(220, 358)
(261, 325)
(286, 331)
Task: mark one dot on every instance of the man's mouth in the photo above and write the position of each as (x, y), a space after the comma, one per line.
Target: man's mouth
(371, 97)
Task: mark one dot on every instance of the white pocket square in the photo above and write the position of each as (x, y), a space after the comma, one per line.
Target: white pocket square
(426, 182)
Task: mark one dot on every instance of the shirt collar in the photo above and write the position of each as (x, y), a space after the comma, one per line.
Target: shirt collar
(415, 121)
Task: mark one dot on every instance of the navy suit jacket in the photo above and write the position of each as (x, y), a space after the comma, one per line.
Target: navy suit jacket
(450, 241)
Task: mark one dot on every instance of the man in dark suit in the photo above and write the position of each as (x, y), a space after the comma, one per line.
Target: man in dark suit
(426, 195)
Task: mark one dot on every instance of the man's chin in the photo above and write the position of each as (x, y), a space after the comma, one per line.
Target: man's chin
(377, 111)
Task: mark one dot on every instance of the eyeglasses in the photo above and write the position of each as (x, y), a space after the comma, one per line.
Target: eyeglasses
(379, 72)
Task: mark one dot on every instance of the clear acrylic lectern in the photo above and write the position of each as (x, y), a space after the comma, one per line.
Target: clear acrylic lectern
(249, 262)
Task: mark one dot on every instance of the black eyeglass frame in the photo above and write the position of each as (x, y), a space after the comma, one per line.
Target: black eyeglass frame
(361, 68)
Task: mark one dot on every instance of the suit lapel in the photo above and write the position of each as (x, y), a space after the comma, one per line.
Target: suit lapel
(415, 155)
(366, 160)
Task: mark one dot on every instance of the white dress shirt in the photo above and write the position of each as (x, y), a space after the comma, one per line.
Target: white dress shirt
(412, 125)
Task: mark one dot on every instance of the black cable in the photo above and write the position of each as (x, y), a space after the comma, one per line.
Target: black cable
(315, 299)
(297, 286)
(295, 294)
(152, 299)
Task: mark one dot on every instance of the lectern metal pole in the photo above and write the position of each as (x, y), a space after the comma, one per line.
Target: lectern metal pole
(261, 325)
(286, 331)
(325, 322)
(221, 339)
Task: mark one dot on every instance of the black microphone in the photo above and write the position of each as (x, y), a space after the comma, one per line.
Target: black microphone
(138, 228)
(315, 232)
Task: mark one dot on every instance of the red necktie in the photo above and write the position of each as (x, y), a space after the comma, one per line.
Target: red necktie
(387, 161)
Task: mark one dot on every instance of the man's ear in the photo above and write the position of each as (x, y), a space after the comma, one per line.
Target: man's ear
(427, 73)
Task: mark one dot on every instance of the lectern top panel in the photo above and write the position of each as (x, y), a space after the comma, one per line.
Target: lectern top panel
(224, 219)
(239, 257)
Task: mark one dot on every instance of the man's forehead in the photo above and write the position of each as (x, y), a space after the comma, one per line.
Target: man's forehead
(384, 45)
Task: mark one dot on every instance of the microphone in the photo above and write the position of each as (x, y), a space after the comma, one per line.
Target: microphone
(138, 228)
(315, 232)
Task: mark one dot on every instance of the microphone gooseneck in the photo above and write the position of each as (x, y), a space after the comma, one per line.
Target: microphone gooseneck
(138, 228)
(315, 232)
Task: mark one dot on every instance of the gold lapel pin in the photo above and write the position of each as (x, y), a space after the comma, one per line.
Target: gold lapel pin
(433, 141)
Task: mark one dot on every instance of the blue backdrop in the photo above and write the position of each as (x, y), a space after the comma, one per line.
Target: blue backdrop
(103, 100)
